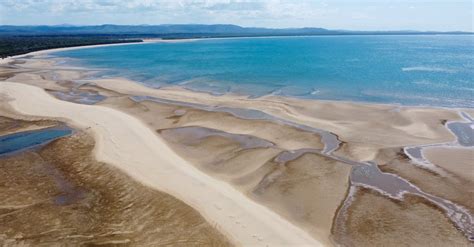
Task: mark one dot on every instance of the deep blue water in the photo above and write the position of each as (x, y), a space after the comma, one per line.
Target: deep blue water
(27, 139)
(410, 70)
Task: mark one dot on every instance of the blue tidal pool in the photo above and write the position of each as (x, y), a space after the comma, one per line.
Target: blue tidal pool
(27, 139)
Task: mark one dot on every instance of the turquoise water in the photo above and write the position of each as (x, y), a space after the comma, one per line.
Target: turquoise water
(408, 70)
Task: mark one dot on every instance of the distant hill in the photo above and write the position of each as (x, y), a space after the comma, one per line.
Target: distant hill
(16, 40)
(185, 30)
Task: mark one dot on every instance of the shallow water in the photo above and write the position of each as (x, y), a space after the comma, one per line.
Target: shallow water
(196, 134)
(81, 97)
(411, 70)
(22, 140)
(330, 140)
(464, 132)
(363, 174)
(287, 156)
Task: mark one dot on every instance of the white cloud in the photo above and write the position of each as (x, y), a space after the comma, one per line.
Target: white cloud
(345, 14)
(274, 8)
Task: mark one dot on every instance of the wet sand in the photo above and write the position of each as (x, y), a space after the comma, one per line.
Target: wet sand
(301, 159)
(126, 143)
(59, 194)
(376, 221)
(444, 157)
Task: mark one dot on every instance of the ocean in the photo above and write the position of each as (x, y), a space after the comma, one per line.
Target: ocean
(428, 70)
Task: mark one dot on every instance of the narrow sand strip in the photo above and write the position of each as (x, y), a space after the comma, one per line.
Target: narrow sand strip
(125, 142)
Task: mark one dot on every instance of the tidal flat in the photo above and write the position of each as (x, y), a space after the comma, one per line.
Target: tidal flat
(340, 172)
(59, 194)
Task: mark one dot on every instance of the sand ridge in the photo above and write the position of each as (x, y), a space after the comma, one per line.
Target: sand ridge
(128, 144)
(79, 201)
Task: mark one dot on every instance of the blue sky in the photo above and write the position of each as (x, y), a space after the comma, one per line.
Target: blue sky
(439, 15)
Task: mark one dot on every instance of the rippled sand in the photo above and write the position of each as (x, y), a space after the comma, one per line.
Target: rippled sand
(273, 150)
(58, 194)
(376, 221)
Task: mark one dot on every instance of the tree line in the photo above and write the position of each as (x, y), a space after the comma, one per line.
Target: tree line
(17, 45)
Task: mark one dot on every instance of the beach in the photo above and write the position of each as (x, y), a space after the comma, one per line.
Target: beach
(270, 170)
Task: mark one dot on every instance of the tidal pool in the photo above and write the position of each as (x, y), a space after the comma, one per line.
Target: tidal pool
(27, 139)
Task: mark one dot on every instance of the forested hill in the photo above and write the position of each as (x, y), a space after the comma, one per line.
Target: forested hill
(16, 40)
(187, 30)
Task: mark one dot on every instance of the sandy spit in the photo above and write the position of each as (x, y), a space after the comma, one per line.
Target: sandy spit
(128, 144)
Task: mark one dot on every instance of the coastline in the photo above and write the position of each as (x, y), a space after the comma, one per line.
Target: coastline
(229, 94)
(281, 97)
(366, 130)
(46, 51)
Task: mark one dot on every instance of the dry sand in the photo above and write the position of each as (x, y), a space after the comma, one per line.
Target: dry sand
(250, 197)
(128, 144)
(368, 126)
(307, 190)
(58, 194)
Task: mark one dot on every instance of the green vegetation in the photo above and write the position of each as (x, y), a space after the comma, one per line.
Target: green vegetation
(16, 40)
(17, 45)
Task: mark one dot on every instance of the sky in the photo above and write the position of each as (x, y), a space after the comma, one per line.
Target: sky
(422, 15)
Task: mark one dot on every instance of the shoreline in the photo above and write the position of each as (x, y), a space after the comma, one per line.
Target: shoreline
(47, 51)
(159, 40)
(366, 132)
(302, 98)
